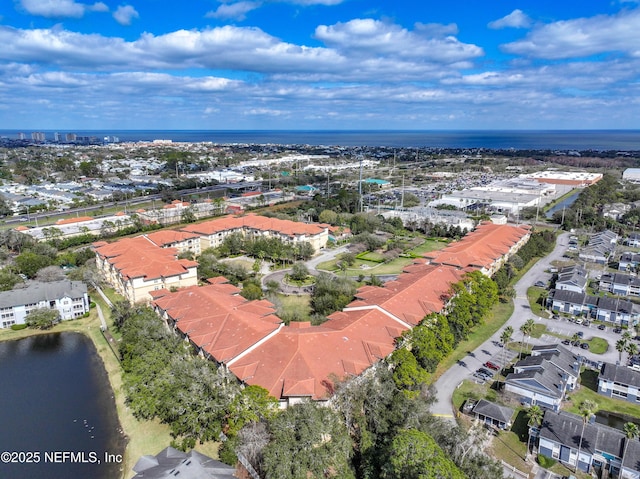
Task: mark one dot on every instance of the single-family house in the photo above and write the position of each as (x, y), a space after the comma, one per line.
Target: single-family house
(493, 414)
(633, 240)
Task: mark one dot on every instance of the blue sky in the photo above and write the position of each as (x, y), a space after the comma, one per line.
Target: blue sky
(319, 64)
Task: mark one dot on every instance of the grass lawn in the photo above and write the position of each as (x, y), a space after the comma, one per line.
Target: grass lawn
(468, 390)
(589, 382)
(368, 267)
(427, 246)
(296, 303)
(500, 313)
(371, 256)
(598, 345)
(508, 447)
(533, 293)
(538, 330)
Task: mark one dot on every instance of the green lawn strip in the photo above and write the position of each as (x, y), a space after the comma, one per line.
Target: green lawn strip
(371, 256)
(297, 303)
(506, 446)
(588, 390)
(533, 294)
(500, 313)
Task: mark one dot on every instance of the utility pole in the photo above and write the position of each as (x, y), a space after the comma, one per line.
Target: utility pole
(360, 187)
(402, 195)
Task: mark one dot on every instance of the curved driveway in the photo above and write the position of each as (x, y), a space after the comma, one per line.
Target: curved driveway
(490, 349)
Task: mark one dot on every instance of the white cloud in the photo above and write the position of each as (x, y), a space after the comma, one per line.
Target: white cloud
(380, 38)
(125, 14)
(237, 11)
(582, 37)
(60, 8)
(516, 19)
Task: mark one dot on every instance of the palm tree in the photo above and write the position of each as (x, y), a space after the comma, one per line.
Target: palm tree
(586, 409)
(621, 346)
(526, 330)
(631, 350)
(534, 414)
(505, 339)
(631, 431)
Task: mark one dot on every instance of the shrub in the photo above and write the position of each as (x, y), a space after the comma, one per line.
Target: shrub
(18, 327)
(546, 462)
(92, 305)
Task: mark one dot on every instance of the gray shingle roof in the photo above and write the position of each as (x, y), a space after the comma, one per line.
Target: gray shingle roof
(494, 411)
(620, 374)
(173, 463)
(36, 292)
(565, 428)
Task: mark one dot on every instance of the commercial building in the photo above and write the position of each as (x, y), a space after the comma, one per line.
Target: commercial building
(578, 179)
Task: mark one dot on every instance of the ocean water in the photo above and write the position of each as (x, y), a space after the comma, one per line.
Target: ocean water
(580, 140)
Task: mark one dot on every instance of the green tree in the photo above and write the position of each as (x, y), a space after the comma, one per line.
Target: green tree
(534, 415)
(251, 290)
(328, 216)
(407, 373)
(621, 346)
(42, 318)
(30, 263)
(415, 455)
(331, 294)
(308, 441)
(631, 349)
(8, 279)
(505, 338)
(631, 432)
(299, 272)
(526, 329)
(586, 409)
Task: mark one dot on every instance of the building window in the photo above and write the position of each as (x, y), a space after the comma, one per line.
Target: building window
(619, 394)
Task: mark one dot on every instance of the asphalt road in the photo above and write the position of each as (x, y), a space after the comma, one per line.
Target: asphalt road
(491, 350)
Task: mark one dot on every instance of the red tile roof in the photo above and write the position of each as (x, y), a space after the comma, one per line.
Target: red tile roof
(168, 237)
(481, 247)
(300, 359)
(80, 219)
(252, 221)
(217, 319)
(139, 258)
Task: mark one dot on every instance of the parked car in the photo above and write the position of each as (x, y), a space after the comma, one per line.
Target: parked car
(584, 345)
(566, 342)
(602, 327)
(491, 365)
(539, 284)
(486, 372)
(617, 330)
(580, 334)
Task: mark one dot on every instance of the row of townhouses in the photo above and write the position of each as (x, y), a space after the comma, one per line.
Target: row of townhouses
(616, 310)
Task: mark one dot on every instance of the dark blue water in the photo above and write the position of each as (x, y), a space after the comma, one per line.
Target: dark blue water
(56, 399)
(600, 140)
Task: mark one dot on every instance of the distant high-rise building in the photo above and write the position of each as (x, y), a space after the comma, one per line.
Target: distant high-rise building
(56, 137)
(22, 136)
(37, 136)
(70, 137)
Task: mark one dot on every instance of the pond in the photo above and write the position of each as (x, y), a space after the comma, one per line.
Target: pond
(57, 410)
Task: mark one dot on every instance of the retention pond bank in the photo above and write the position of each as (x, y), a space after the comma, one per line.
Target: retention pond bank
(57, 410)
